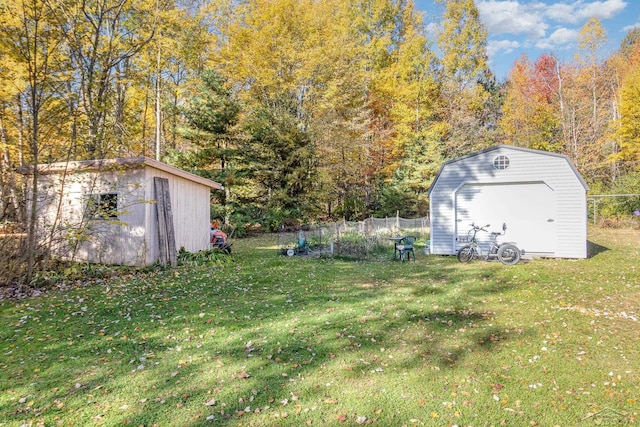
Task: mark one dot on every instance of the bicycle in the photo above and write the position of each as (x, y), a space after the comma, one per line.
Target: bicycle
(506, 252)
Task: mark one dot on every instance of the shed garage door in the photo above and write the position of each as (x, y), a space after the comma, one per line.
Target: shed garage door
(528, 209)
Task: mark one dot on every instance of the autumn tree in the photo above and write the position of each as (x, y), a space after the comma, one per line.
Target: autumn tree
(530, 112)
(12, 150)
(401, 97)
(408, 84)
(630, 42)
(589, 104)
(168, 70)
(358, 77)
(628, 132)
(623, 128)
(278, 81)
(621, 137)
(466, 76)
(100, 36)
(30, 41)
(517, 108)
(590, 39)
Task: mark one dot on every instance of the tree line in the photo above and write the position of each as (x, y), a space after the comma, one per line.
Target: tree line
(302, 109)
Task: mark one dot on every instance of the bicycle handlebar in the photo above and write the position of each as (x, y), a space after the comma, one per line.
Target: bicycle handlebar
(478, 228)
(475, 228)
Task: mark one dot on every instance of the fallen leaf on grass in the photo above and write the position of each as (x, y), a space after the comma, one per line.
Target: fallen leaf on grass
(241, 376)
(211, 402)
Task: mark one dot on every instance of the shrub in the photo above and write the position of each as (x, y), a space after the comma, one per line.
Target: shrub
(210, 256)
(620, 207)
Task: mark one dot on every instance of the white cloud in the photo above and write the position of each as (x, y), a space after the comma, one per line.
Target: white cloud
(561, 38)
(511, 17)
(601, 9)
(432, 30)
(561, 12)
(502, 46)
(580, 10)
(534, 18)
(630, 27)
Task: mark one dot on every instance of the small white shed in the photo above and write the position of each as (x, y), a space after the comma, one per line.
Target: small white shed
(539, 195)
(132, 211)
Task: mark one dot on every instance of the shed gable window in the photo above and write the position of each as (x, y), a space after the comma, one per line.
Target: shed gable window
(102, 206)
(501, 163)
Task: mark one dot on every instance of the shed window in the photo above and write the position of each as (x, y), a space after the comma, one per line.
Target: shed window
(501, 162)
(102, 206)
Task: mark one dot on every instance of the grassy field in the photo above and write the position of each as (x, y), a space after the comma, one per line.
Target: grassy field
(270, 340)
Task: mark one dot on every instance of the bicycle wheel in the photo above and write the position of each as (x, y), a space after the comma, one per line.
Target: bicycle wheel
(465, 253)
(509, 254)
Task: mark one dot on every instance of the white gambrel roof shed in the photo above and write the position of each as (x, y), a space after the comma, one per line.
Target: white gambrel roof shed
(126, 211)
(539, 195)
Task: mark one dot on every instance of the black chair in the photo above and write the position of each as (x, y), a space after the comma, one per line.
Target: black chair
(405, 247)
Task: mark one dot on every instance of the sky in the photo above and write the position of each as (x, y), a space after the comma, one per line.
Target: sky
(535, 27)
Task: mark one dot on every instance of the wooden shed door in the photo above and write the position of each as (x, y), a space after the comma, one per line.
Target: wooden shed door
(528, 209)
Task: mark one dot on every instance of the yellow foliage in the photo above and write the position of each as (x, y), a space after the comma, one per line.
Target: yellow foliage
(629, 129)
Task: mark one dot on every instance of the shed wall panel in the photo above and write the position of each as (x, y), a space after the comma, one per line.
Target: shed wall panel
(109, 241)
(190, 204)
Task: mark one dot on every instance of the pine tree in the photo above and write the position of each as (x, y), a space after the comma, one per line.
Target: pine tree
(212, 114)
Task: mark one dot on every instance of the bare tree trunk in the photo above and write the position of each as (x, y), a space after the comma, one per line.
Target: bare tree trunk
(561, 101)
(143, 135)
(4, 175)
(23, 211)
(158, 105)
(9, 201)
(615, 117)
(574, 137)
(32, 209)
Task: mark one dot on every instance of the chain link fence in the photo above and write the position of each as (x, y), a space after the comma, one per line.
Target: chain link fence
(349, 238)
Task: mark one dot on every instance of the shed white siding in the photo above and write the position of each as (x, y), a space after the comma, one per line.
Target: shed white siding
(540, 196)
(73, 236)
(191, 213)
(132, 237)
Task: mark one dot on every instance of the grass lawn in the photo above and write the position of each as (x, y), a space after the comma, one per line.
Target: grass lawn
(271, 340)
